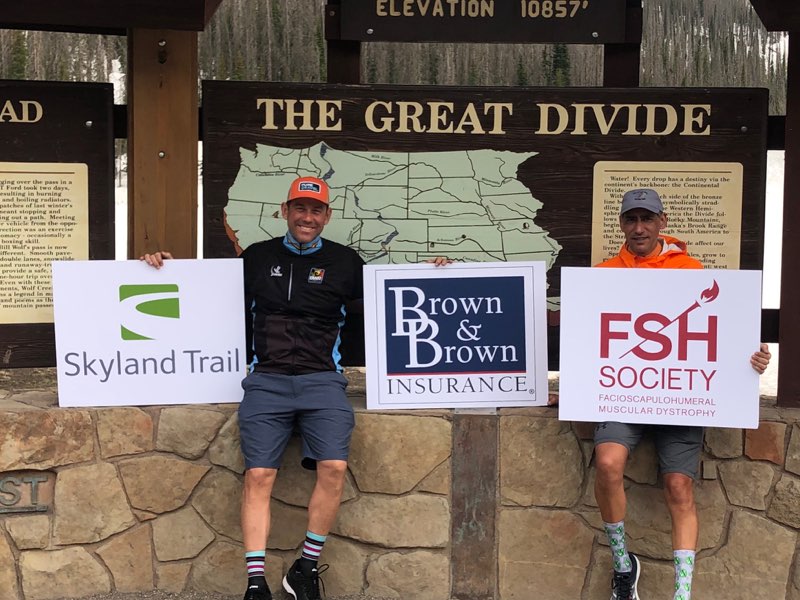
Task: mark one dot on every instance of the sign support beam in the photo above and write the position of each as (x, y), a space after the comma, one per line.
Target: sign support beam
(622, 62)
(789, 328)
(344, 56)
(162, 142)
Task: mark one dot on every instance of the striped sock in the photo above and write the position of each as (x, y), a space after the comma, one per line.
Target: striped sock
(311, 550)
(255, 563)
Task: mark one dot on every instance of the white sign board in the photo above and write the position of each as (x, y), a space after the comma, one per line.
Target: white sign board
(459, 336)
(128, 334)
(660, 346)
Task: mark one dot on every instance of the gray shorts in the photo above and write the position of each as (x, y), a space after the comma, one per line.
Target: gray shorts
(678, 446)
(273, 405)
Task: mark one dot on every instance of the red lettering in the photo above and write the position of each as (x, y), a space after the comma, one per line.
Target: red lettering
(633, 380)
(674, 379)
(606, 335)
(685, 336)
(607, 372)
(655, 381)
(648, 335)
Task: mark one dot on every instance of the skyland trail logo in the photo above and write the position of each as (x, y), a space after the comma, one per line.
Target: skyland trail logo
(455, 338)
(168, 308)
(659, 337)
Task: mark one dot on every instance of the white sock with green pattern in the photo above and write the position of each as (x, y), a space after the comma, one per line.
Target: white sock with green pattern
(684, 568)
(619, 551)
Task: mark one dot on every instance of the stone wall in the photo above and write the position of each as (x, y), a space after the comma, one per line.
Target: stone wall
(748, 498)
(147, 498)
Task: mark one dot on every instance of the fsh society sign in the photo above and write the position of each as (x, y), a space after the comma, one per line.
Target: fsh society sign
(660, 346)
(128, 334)
(464, 335)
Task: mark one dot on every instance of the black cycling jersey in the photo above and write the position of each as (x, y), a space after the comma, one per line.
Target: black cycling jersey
(295, 304)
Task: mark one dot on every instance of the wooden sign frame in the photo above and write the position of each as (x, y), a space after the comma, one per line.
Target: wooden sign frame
(75, 126)
(561, 175)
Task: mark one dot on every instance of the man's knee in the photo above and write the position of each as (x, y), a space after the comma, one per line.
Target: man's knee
(679, 491)
(331, 472)
(609, 460)
(259, 479)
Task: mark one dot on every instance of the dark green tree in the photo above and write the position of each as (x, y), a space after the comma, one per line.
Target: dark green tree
(522, 73)
(19, 55)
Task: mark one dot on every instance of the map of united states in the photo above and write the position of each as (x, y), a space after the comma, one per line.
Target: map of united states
(398, 207)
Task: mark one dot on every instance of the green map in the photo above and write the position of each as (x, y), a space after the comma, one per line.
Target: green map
(398, 207)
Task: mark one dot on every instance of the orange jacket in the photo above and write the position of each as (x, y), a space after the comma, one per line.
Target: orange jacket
(672, 255)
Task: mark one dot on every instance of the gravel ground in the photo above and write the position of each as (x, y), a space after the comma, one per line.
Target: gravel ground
(194, 595)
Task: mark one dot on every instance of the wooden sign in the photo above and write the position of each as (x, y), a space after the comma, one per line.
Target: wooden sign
(108, 16)
(487, 174)
(506, 21)
(56, 202)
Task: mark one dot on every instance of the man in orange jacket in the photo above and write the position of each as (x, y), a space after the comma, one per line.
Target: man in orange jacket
(642, 218)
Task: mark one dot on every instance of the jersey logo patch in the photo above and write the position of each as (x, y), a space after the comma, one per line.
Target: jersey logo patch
(276, 271)
(316, 275)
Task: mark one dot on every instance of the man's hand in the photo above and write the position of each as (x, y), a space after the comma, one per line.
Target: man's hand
(439, 261)
(156, 259)
(760, 359)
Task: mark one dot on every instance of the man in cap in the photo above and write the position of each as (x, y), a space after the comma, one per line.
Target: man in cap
(298, 290)
(641, 219)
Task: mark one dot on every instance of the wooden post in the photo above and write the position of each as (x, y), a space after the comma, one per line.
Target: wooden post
(474, 505)
(162, 142)
(789, 329)
(622, 62)
(344, 56)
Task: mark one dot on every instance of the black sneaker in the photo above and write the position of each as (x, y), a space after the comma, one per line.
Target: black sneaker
(257, 591)
(624, 585)
(302, 586)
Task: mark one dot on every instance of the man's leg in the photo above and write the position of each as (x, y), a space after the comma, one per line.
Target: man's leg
(327, 494)
(679, 494)
(609, 491)
(679, 454)
(255, 507)
(326, 425)
(265, 425)
(322, 510)
(612, 443)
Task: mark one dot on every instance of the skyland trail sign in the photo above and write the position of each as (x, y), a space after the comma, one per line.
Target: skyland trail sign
(131, 335)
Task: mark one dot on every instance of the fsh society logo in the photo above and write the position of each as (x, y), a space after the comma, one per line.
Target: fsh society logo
(442, 327)
(652, 337)
(155, 300)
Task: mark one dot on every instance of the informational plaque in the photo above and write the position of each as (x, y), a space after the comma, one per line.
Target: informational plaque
(44, 215)
(702, 201)
(56, 202)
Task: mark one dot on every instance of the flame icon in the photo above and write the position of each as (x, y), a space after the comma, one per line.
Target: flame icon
(707, 295)
(710, 294)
